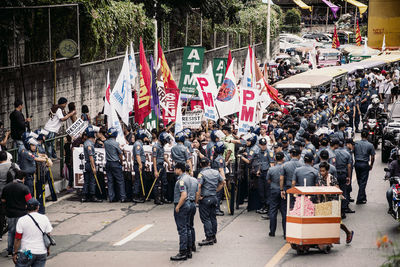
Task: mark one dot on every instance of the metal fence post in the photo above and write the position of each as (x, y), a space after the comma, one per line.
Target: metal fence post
(62, 156)
(49, 19)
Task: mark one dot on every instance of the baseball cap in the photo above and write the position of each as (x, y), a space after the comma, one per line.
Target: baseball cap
(285, 139)
(262, 141)
(308, 157)
(32, 204)
(295, 151)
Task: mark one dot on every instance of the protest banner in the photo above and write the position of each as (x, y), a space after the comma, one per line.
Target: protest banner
(208, 89)
(247, 115)
(192, 119)
(192, 63)
(219, 69)
(227, 100)
(76, 129)
(171, 104)
(100, 162)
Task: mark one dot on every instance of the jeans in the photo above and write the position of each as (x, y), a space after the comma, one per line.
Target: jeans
(161, 185)
(192, 213)
(51, 150)
(12, 224)
(114, 175)
(182, 224)
(51, 186)
(29, 183)
(277, 203)
(341, 177)
(263, 189)
(362, 172)
(207, 215)
(38, 260)
(137, 183)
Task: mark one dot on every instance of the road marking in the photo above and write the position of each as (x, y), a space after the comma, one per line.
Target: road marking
(137, 231)
(278, 256)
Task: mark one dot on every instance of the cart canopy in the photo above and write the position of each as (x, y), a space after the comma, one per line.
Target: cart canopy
(314, 190)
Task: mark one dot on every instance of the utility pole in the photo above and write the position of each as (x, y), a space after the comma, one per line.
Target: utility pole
(268, 29)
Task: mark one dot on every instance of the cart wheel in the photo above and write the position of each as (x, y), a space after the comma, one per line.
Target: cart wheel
(327, 249)
(299, 250)
(294, 246)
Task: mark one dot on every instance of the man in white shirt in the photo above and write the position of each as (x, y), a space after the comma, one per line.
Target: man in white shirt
(380, 84)
(54, 124)
(29, 248)
(388, 91)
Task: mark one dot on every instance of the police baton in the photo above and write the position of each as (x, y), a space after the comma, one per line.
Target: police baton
(51, 177)
(34, 185)
(227, 198)
(98, 184)
(141, 181)
(152, 186)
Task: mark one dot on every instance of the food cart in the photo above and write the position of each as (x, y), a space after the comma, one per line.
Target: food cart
(313, 217)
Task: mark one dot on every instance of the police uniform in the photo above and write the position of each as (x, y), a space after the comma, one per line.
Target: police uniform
(265, 159)
(180, 153)
(138, 150)
(194, 188)
(357, 102)
(162, 182)
(42, 150)
(351, 104)
(209, 180)
(89, 184)
(308, 148)
(276, 201)
(364, 106)
(27, 163)
(343, 159)
(362, 152)
(324, 118)
(182, 217)
(253, 156)
(287, 171)
(210, 150)
(305, 173)
(216, 164)
(188, 144)
(114, 169)
(332, 169)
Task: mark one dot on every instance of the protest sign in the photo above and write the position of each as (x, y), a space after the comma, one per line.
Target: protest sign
(192, 63)
(208, 89)
(76, 129)
(247, 114)
(219, 69)
(192, 119)
(171, 104)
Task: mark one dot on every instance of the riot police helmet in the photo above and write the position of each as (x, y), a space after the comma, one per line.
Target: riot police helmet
(219, 147)
(112, 132)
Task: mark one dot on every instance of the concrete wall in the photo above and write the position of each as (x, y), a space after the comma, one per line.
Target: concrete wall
(85, 84)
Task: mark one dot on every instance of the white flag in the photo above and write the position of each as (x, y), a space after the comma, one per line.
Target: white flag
(248, 79)
(383, 44)
(178, 121)
(207, 92)
(121, 95)
(113, 121)
(133, 69)
(227, 100)
(107, 104)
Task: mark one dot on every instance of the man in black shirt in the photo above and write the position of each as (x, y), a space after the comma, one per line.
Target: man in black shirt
(18, 123)
(14, 197)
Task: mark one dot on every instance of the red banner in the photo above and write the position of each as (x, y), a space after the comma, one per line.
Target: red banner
(171, 100)
(142, 103)
(196, 104)
(168, 80)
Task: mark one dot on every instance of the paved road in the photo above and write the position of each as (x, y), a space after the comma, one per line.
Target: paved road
(93, 234)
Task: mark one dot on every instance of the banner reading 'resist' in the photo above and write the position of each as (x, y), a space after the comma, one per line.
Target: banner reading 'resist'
(192, 63)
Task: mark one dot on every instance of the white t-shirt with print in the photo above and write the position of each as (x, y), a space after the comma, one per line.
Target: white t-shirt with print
(32, 238)
(54, 124)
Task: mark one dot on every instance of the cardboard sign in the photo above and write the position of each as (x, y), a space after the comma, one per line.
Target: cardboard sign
(247, 114)
(192, 63)
(128, 161)
(192, 119)
(77, 128)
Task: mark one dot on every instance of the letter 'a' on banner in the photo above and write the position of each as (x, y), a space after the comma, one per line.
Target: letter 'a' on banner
(247, 114)
(192, 64)
(219, 70)
(208, 91)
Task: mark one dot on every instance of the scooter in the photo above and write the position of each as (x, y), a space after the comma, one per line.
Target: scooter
(395, 185)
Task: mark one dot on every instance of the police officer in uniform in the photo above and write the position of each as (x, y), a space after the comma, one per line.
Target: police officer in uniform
(289, 167)
(114, 166)
(89, 184)
(211, 144)
(160, 173)
(278, 198)
(182, 211)
(266, 160)
(210, 182)
(188, 143)
(180, 153)
(139, 166)
(218, 163)
(364, 157)
(193, 200)
(324, 157)
(306, 175)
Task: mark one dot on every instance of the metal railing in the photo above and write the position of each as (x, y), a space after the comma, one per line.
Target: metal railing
(58, 140)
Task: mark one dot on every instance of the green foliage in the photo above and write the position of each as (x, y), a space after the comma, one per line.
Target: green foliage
(292, 20)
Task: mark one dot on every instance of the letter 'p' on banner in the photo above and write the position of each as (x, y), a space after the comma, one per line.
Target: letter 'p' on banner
(247, 114)
(207, 91)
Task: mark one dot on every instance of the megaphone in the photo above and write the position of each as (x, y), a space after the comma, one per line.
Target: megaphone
(335, 120)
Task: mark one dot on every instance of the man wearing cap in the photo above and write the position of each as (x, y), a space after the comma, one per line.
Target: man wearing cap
(364, 157)
(289, 167)
(182, 211)
(323, 145)
(29, 248)
(266, 160)
(114, 166)
(89, 183)
(53, 125)
(285, 147)
(306, 175)
(324, 157)
(14, 197)
(278, 197)
(365, 100)
(210, 182)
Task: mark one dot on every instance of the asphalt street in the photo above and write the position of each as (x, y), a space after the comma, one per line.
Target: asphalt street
(115, 234)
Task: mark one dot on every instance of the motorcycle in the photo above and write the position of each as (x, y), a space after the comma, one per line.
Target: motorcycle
(395, 185)
(374, 129)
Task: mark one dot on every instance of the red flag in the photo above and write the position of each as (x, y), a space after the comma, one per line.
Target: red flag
(335, 39)
(358, 35)
(172, 99)
(168, 80)
(229, 61)
(142, 103)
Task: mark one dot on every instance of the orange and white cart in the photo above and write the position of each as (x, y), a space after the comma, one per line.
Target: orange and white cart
(313, 217)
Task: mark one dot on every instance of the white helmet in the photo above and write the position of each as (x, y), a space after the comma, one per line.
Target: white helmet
(375, 101)
(374, 96)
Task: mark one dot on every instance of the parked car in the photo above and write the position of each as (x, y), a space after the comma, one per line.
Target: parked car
(391, 133)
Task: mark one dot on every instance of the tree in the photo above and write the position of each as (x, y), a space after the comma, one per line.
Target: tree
(292, 20)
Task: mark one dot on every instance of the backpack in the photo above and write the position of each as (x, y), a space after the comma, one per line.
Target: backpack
(11, 173)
